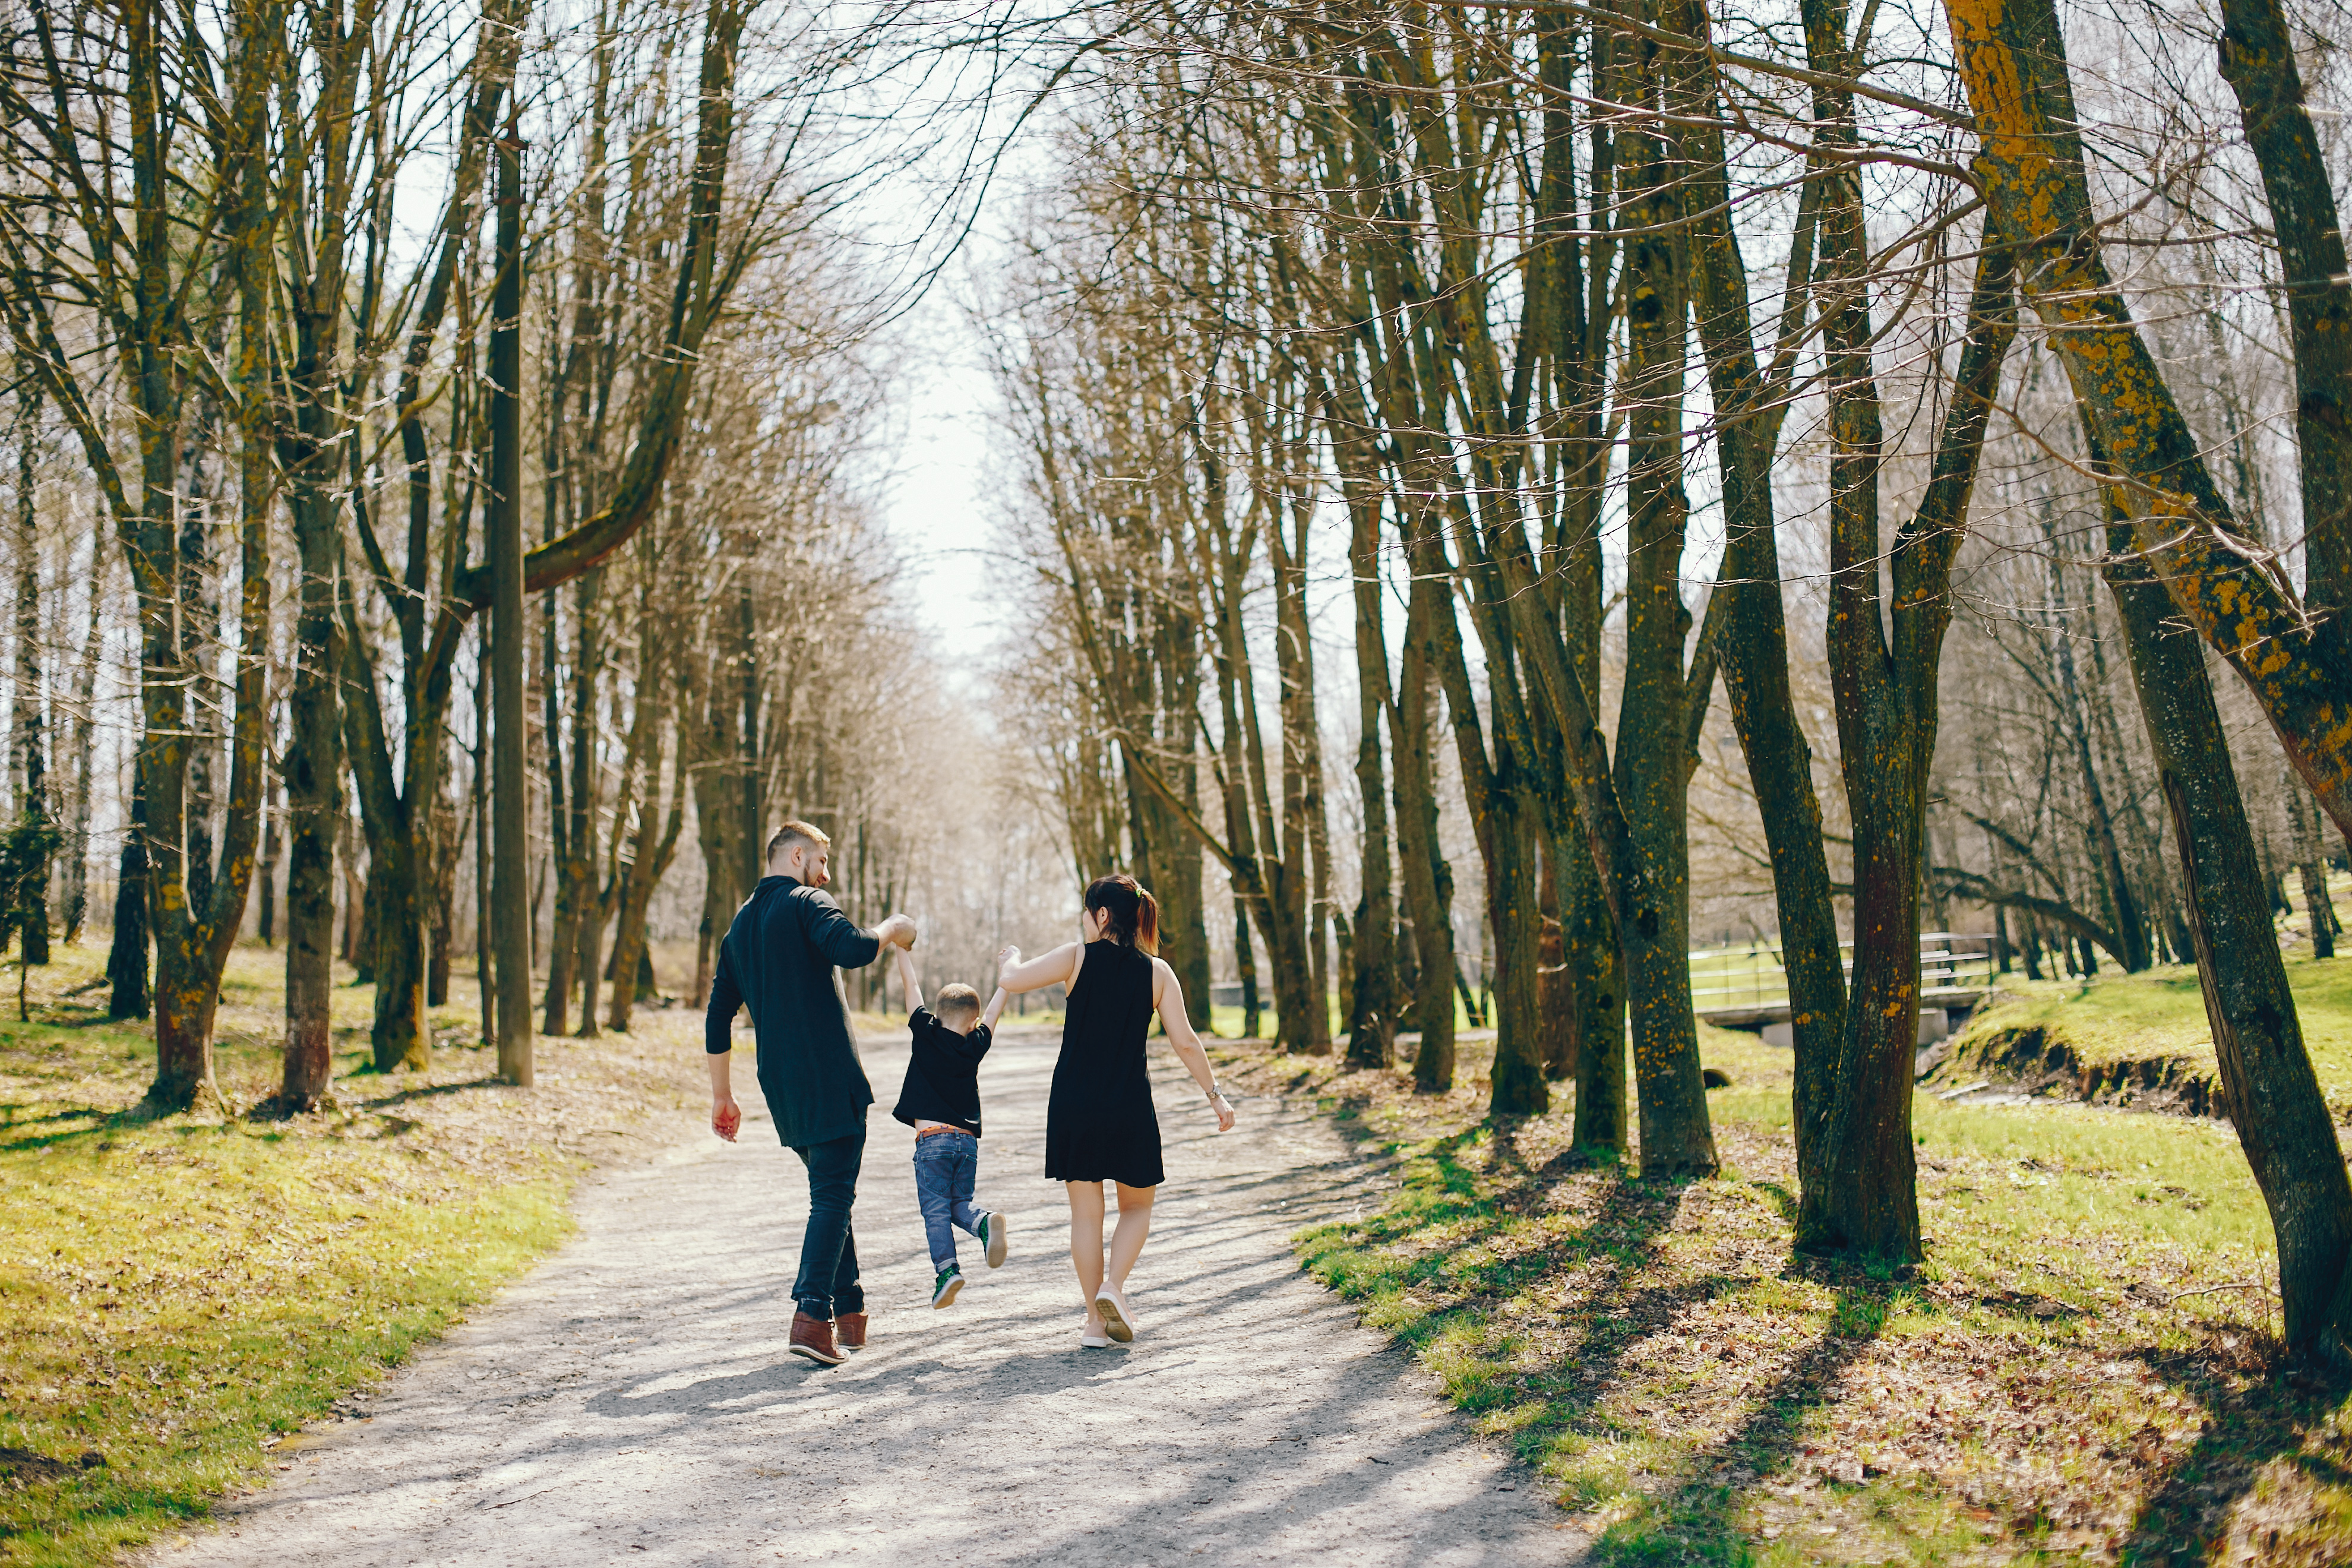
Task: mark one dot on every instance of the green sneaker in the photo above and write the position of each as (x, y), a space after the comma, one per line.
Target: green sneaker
(944, 1288)
(992, 1237)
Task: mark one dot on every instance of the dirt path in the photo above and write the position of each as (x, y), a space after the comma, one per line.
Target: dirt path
(632, 1400)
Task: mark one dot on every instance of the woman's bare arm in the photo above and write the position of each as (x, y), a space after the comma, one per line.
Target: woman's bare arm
(1168, 996)
(1058, 967)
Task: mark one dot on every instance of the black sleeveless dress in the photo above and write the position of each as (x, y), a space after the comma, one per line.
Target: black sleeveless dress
(1100, 1125)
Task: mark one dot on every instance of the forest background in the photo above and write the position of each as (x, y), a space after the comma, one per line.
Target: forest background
(452, 521)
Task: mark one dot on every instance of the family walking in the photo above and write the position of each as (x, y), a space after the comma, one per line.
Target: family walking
(778, 961)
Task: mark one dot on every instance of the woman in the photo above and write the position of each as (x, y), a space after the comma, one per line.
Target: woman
(1100, 1125)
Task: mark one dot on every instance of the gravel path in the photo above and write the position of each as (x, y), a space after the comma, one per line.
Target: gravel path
(632, 1400)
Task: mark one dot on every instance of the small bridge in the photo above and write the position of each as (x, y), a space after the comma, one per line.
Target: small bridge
(1746, 988)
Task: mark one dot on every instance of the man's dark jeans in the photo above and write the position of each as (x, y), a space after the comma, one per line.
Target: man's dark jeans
(828, 1279)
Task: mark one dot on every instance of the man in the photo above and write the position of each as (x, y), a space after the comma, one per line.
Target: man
(779, 960)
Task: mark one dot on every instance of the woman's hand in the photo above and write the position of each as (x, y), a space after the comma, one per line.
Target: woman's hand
(1224, 1111)
(1009, 957)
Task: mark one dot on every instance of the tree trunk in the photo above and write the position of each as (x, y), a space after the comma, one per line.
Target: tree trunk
(199, 633)
(1510, 845)
(1245, 964)
(85, 746)
(1184, 916)
(1588, 935)
(1555, 986)
(2012, 58)
(316, 821)
(2303, 816)
(1589, 932)
(486, 973)
(266, 874)
(1428, 880)
(2258, 60)
(315, 817)
(1652, 775)
(573, 811)
(1371, 1013)
(631, 959)
(2268, 1085)
(710, 712)
(439, 959)
(1752, 642)
(126, 958)
(398, 901)
(509, 893)
(29, 761)
(590, 961)
(1885, 696)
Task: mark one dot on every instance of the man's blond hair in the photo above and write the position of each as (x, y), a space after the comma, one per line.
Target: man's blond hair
(795, 831)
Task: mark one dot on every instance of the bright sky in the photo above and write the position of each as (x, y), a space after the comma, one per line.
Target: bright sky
(938, 504)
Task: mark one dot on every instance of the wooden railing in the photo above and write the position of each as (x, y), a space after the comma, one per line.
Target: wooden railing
(1748, 984)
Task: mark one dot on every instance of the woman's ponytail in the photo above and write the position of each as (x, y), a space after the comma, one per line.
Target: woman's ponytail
(1147, 921)
(1130, 914)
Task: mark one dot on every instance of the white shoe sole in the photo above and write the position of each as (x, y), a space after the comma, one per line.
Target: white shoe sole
(1115, 1321)
(946, 1298)
(997, 1240)
(1093, 1342)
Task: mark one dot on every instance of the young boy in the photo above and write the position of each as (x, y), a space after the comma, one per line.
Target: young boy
(941, 1100)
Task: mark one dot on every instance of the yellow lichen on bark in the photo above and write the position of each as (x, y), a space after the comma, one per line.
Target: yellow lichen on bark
(2013, 62)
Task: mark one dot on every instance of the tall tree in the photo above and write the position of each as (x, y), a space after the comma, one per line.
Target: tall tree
(74, 248)
(28, 747)
(2297, 664)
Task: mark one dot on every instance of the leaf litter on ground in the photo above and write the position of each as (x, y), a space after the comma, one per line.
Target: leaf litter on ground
(2086, 1368)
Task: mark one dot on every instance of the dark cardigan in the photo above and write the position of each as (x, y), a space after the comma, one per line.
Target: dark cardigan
(778, 960)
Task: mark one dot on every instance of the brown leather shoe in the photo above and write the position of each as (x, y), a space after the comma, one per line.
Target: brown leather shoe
(849, 1330)
(813, 1338)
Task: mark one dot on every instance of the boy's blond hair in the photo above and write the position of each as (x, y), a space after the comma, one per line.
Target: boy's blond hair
(956, 1004)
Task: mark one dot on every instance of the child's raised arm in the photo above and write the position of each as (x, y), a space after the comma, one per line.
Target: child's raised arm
(912, 992)
(995, 1009)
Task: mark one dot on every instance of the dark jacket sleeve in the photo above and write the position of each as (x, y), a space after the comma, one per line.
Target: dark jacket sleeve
(719, 1018)
(844, 943)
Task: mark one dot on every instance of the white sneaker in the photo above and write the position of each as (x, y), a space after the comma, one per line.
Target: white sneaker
(1093, 1342)
(1118, 1322)
(993, 1237)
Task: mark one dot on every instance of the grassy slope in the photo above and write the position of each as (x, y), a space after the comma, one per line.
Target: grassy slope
(176, 1293)
(2134, 1017)
(2077, 1375)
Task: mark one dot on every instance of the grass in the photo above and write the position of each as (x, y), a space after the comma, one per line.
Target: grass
(2117, 1017)
(2082, 1371)
(180, 1294)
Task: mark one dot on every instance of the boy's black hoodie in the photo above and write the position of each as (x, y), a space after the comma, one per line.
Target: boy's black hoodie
(943, 1074)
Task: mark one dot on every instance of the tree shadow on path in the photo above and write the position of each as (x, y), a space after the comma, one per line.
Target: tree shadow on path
(2257, 1412)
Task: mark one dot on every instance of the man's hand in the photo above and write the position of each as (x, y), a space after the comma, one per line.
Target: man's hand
(726, 1118)
(899, 930)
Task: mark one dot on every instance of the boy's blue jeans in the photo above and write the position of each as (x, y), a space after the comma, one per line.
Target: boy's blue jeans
(945, 1164)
